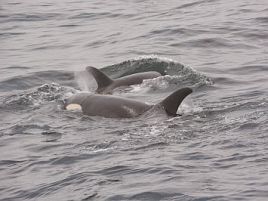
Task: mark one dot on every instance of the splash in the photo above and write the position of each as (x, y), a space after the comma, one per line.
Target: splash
(34, 97)
(165, 66)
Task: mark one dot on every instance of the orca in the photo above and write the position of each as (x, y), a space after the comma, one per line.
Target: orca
(106, 84)
(111, 106)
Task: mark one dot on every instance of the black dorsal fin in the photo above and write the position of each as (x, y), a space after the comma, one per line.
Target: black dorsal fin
(173, 101)
(101, 79)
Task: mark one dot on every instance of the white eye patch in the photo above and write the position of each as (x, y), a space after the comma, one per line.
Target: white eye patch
(74, 107)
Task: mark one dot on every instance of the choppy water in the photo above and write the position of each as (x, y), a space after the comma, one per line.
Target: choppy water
(217, 149)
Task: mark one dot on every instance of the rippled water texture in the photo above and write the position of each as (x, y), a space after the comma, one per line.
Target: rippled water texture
(216, 150)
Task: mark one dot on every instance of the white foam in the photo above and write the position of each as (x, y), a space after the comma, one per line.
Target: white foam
(157, 130)
(188, 107)
(158, 83)
(129, 110)
(153, 56)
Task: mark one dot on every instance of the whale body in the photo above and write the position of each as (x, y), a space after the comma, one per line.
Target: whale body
(106, 84)
(116, 107)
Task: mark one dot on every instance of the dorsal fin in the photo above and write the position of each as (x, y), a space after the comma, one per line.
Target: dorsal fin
(101, 79)
(173, 101)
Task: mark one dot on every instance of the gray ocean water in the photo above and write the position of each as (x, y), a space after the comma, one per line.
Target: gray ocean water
(216, 150)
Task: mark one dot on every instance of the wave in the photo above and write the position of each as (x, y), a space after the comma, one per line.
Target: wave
(172, 71)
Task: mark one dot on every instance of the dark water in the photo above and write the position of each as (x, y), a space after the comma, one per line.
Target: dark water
(217, 149)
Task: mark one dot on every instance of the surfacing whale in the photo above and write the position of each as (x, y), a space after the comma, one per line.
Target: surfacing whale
(116, 107)
(106, 84)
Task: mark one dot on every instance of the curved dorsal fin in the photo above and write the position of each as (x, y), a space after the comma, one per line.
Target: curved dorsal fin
(173, 101)
(101, 79)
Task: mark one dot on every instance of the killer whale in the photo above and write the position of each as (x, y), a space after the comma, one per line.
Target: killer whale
(116, 107)
(106, 84)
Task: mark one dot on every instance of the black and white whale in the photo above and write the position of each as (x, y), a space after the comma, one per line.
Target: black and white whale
(116, 107)
(106, 84)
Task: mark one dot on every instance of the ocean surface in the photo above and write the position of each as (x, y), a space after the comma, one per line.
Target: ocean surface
(216, 150)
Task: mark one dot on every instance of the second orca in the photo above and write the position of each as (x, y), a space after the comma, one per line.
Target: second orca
(106, 84)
